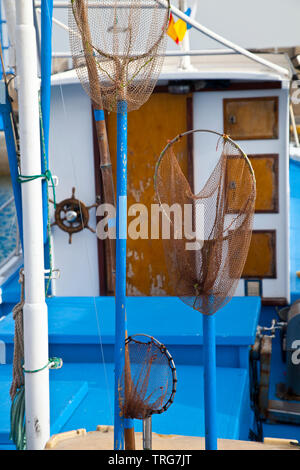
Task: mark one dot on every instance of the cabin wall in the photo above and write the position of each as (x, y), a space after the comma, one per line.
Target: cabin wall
(208, 114)
(72, 161)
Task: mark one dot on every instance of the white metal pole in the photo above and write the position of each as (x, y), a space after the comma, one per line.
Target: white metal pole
(185, 61)
(35, 308)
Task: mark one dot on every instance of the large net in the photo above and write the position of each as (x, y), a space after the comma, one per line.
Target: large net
(211, 230)
(149, 378)
(117, 48)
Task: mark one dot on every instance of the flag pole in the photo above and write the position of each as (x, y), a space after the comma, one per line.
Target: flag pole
(35, 317)
(120, 295)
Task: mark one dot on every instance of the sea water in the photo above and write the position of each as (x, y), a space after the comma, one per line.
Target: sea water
(8, 220)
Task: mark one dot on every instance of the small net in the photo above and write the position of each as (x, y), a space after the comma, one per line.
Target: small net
(209, 240)
(149, 378)
(124, 42)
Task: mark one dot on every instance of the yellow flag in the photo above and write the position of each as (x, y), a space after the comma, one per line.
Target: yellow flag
(180, 27)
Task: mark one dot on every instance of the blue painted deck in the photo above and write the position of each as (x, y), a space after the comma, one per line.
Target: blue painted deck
(81, 331)
(65, 397)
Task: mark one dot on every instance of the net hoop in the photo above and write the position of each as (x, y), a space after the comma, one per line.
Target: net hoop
(132, 57)
(113, 69)
(184, 134)
(205, 258)
(137, 339)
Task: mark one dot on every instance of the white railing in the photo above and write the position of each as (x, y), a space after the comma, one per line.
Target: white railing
(192, 22)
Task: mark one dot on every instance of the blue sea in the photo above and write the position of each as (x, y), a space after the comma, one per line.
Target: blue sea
(8, 220)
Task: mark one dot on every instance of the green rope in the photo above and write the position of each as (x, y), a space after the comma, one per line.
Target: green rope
(48, 199)
(17, 410)
(17, 420)
(47, 175)
(53, 363)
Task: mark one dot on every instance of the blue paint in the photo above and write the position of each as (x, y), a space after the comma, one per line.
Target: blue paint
(73, 321)
(5, 110)
(123, 217)
(99, 115)
(111, 222)
(46, 61)
(210, 382)
(65, 397)
(74, 326)
(128, 423)
(294, 230)
(120, 313)
(184, 417)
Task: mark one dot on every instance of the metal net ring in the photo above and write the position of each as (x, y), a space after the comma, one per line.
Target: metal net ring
(205, 274)
(152, 377)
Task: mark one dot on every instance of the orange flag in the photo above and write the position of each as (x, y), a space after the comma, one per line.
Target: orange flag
(171, 31)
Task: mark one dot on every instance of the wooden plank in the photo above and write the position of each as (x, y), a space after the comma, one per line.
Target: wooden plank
(251, 118)
(265, 168)
(261, 260)
(102, 439)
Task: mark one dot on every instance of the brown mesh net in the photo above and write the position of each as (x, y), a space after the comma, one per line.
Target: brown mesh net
(149, 378)
(209, 239)
(126, 42)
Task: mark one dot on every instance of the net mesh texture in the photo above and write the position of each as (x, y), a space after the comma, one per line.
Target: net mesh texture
(118, 49)
(148, 378)
(206, 263)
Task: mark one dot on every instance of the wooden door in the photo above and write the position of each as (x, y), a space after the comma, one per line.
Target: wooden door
(163, 117)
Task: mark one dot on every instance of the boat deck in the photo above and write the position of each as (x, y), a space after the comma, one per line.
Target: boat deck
(81, 332)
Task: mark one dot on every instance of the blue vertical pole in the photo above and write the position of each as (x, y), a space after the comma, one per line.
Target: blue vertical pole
(121, 236)
(210, 382)
(46, 61)
(5, 111)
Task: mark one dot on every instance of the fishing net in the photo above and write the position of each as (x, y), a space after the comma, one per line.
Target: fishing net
(149, 378)
(211, 230)
(126, 40)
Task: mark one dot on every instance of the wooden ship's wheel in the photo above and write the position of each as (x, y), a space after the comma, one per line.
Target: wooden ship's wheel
(72, 215)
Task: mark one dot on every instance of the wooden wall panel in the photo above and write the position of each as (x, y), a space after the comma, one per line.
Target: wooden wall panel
(160, 119)
(265, 168)
(261, 260)
(251, 118)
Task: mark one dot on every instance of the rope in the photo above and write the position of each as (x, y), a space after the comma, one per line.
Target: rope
(17, 420)
(53, 363)
(17, 411)
(47, 175)
(48, 199)
(18, 376)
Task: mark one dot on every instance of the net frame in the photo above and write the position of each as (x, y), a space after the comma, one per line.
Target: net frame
(144, 339)
(118, 78)
(226, 139)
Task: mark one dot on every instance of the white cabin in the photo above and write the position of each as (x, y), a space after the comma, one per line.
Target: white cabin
(228, 93)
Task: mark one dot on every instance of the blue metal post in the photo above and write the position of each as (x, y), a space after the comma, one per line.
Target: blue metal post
(210, 382)
(5, 110)
(121, 236)
(46, 61)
